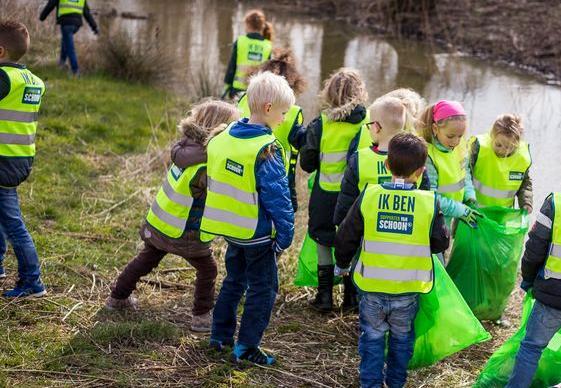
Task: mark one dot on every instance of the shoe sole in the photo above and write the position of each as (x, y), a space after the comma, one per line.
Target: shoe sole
(200, 329)
(3, 276)
(34, 295)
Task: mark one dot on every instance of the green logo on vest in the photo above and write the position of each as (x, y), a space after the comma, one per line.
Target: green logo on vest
(31, 95)
(384, 179)
(395, 223)
(176, 172)
(234, 167)
(255, 53)
(515, 176)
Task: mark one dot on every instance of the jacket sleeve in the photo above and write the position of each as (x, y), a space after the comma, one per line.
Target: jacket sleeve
(309, 153)
(449, 207)
(5, 85)
(274, 197)
(231, 70)
(473, 153)
(440, 236)
(48, 9)
(425, 182)
(525, 194)
(180, 154)
(469, 190)
(349, 191)
(349, 236)
(537, 246)
(89, 18)
(198, 184)
(297, 135)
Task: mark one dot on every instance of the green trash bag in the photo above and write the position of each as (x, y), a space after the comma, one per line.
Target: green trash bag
(307, 272)
(499, 367)
(444, 324)
(484, 261)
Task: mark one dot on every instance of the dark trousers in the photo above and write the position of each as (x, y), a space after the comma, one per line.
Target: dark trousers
(149, 258)
(253, 271)
(67, 50)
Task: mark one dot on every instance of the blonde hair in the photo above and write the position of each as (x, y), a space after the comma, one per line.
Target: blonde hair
(390, 112)
(414, 105)
(204, 117)
(255, 21)
(343, 87)
(509, 125)
(426, 121)
(266, 87)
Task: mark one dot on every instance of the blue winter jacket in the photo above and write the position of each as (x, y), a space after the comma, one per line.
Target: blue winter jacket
(275, 205)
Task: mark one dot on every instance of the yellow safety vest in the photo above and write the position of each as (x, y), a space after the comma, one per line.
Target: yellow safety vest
(451, 170)
(497, 180)
(395, 257)
(250, 53)
(67, 7)
(232, 203)
(19, 112)
(553, 263)
(336, 138)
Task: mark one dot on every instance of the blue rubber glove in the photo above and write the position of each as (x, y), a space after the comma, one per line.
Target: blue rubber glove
(341, 271)
(470, 217)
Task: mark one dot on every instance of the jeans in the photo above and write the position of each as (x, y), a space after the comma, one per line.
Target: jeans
(380, 314)
(13, 230)
(67, 49)
(253, 271)
(543, 323)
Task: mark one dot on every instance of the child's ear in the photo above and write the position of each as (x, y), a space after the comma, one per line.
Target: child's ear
(268, 107)
(2, 52)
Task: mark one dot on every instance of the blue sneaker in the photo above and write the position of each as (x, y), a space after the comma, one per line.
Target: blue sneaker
(2, 272)
(23, 290)
(254, 355)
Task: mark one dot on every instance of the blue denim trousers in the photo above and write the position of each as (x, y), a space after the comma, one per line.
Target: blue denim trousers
(13, 230)
(251, 271)
(543, 323)
(380, 314)
(67, 49)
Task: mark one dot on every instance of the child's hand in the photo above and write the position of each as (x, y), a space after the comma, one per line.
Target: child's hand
(341, 271)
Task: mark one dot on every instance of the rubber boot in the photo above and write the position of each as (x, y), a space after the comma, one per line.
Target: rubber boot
(324, 297)
(350, 295)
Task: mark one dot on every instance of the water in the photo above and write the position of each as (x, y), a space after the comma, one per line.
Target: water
(199, 34)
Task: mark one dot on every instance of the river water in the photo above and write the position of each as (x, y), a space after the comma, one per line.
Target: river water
(199, 34)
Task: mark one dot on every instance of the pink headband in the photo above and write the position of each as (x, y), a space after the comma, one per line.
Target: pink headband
(444, 109)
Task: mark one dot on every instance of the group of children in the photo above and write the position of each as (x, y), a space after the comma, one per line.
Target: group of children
(390, 182)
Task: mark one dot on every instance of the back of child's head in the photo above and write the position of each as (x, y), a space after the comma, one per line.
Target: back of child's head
(439, 114)
(255, 21)
(509, 125)
(344, 87)
(406, 154)
(14, 38)
(390, 113)
(268, 88)
(206, 116)
(413, 102)
(283, 63)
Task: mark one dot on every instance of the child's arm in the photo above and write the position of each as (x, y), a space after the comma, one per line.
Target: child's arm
(537, 246)
(297, 135)
(349, 191)
(349, 234)
(469, 190)
(525, 194)
(48, 9)
(231, 70)
(440, 236)
(309, 153)
(449, 207)
(89, 18)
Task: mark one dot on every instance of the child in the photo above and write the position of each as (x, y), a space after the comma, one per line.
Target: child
(69, 15)
(248, 202)
(328, 145)
(541, 273)
(414, 105)
(290, 133)
(172, 223)
(248, 52)
(500, 162)
(20, 98)
(443, 126)
(396, 228)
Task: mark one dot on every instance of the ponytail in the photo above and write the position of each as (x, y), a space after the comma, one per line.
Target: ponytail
(425, 123)
(268, 32)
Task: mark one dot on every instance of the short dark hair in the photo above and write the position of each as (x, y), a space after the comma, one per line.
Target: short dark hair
(406, 154)
(14, 37)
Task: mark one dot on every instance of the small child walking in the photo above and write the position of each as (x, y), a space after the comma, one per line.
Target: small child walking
(173, 221)
(396, 228)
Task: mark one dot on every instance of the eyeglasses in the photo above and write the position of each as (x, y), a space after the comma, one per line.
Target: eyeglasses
(368, 125)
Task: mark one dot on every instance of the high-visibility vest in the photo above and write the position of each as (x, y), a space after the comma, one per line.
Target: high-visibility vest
(451, 170)
(67, 7)
(553, 263)
(282, 131)
(19, 112)
(497, 180)
(232, 202)
(336, 138)
(171, 208)
(395, 256)
(250, 53)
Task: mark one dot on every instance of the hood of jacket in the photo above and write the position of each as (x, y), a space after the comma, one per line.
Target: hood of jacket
(352, 112)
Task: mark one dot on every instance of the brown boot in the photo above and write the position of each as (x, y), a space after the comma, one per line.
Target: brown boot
(130, 303)
(202, 323)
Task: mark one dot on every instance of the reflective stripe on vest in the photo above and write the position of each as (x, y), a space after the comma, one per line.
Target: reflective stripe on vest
(282, 132)
(451, 170)
(171, 208)
(66, 7)
(497, 180)
(19, 111)
(553, 263)
(250, 53)
(232, 203)
(395, 256)
(335, 144)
